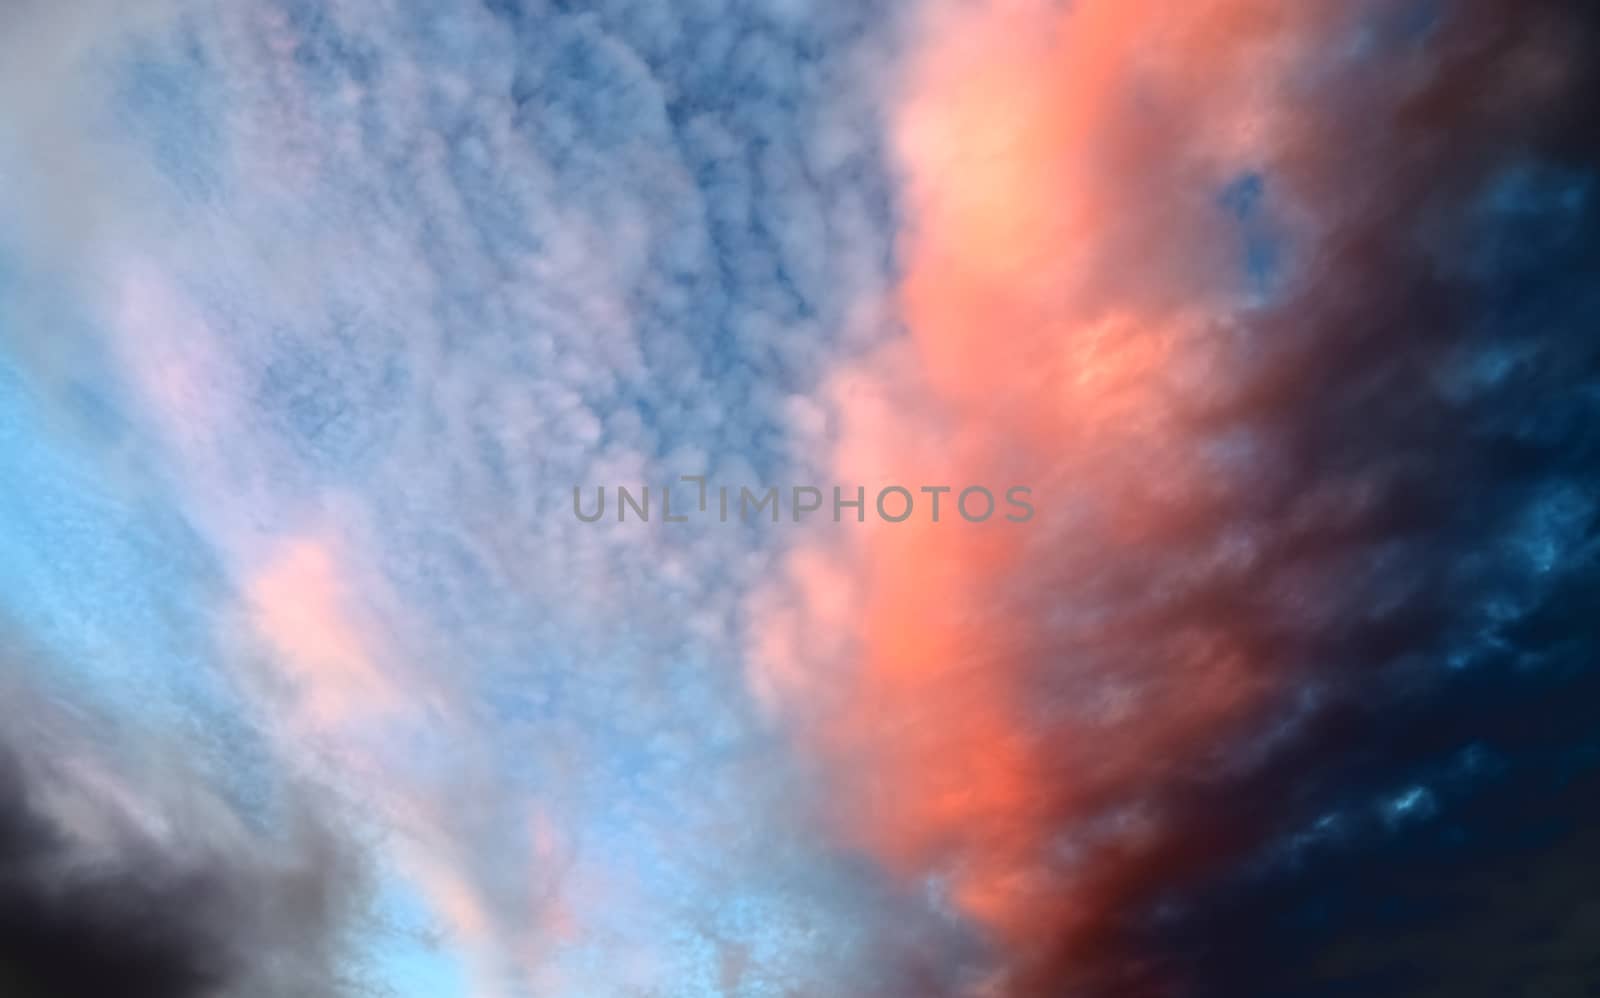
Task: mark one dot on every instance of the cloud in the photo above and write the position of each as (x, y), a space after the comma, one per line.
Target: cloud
(1273, 307)
(1239, 454)
(120, 872)
(49, 53)
(299, 607)
(405, 276)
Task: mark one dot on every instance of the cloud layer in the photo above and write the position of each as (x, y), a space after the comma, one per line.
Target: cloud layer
(312, 316)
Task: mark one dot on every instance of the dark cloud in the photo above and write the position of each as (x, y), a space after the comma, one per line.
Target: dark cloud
(72, 932)
(148, 886)
(1414, 814)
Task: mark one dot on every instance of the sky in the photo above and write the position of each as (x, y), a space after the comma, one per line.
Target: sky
(323, 324)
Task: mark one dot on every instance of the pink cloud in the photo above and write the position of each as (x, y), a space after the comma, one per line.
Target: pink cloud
(301, 604)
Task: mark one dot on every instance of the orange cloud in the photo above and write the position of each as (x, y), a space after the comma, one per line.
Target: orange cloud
(1016, 696)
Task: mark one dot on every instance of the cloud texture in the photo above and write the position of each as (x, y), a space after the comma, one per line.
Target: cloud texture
(1202, 277)
(312, 315)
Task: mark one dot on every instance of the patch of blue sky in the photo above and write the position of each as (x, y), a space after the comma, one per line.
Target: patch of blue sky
(408, 955)
(115, 592)
(1260, 242)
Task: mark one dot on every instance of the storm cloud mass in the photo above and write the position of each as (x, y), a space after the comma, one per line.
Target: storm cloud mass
(312, 315)
(121, 874)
